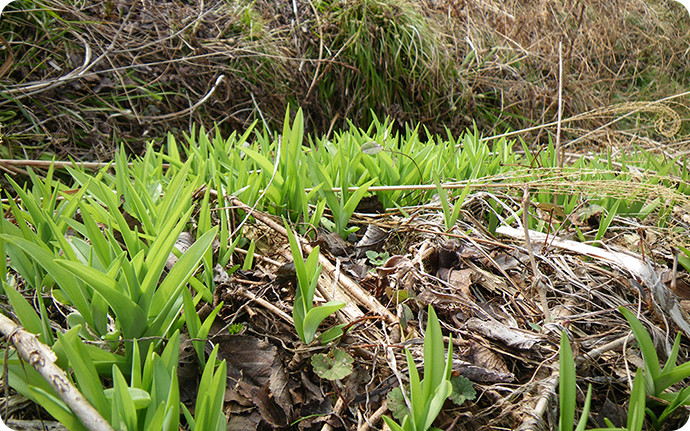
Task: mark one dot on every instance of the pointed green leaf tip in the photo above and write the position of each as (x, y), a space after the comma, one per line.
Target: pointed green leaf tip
(371, 148)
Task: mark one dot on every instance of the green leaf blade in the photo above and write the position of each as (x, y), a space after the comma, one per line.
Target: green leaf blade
(566, 385)
(317, 315)
(127, 311)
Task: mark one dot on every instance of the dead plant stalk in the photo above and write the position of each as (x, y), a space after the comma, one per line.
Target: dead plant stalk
(42, 358)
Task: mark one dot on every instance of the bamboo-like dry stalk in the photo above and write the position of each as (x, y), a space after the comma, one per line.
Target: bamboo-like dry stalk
(43, 359)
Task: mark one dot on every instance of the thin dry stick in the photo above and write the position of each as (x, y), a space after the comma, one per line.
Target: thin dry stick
(338, 410)
(633, 111)
(35, 424)
(321, 38)
(535, 416)
(559, 150)
(545, 177)
(351, 289)
(551, 382)
(267, 305)
(56, 164)
(191, 109)
(12, 170)
(31, 88)
(662, 297)
(595, 353)
(374, 418)
(42, 358)
(538, 283)
(261, 114)
(125, 23)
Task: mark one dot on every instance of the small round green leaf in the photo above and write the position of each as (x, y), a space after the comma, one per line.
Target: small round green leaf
(396, 404)
(462, 390)
(336, 365)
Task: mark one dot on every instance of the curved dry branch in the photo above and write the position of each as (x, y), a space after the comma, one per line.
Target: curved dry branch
(347, 287)
(42, 358)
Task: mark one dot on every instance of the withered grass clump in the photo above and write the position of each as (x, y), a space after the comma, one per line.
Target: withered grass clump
(613, 54)
(391, 60)
(79, 78)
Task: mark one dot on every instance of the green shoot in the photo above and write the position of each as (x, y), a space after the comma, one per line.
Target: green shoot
(307, 317)
(428, 395)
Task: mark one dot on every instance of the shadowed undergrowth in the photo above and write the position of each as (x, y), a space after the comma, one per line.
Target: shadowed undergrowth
(80, 78)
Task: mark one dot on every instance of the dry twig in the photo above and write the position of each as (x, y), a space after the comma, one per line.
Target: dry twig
(346, 287)
(42, 358)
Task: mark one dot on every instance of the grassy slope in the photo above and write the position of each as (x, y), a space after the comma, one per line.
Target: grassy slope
(115, 229)
(134, 72)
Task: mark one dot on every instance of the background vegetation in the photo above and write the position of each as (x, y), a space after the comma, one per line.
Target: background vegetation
(79, 78)
(297, 200)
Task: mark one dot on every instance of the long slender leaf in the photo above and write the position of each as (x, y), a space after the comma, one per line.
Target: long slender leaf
(160, 250)
(582, 423)
(130, 315)
(65, 279)
(675, 400)
(606, 222)
(317, 315)
(435, 404)
(392, 424)
(26, 381)
(671, 361)
(99, 243)
(671, 377)
(636, 409)
(168, 294)
(434, 359)
(101, 359)
(649, 355)
(56, 407)
(416, 398)
(352, 202)
(206, 384)
(24, 311)
(209, 413)
(112, 203)
(123, 406)
(86, 375)
(206, 328)
(566, 385)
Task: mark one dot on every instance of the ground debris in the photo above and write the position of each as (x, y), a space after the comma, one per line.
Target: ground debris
(481, 287)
